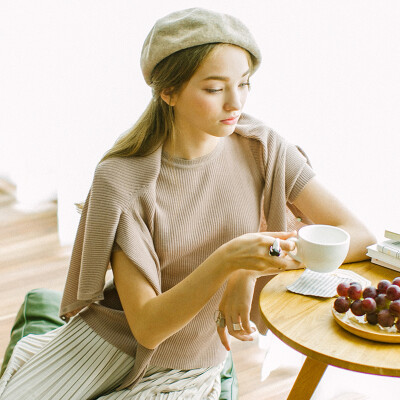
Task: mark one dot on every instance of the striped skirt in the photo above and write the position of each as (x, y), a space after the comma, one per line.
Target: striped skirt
(74, 363)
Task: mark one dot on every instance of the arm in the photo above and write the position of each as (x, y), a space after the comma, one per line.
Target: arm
(153, 318)
(235, 304)
(322, 207)
(238, 295)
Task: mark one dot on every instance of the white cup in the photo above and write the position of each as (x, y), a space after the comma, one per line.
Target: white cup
(321, 248)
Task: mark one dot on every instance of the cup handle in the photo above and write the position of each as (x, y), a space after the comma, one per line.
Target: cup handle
(290, 253)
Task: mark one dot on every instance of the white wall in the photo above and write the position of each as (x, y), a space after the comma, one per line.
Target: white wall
(70, 84)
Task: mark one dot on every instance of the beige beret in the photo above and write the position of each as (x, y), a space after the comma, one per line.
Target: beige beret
(192, 27)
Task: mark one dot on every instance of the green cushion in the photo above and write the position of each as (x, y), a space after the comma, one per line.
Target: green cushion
(229, 382)
(39, 314)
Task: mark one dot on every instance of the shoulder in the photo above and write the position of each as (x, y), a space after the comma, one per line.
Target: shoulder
(260, 135)
(126, 176)
(272, 147)
(253, 128)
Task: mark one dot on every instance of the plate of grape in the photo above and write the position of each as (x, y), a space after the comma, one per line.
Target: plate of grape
(371, 313)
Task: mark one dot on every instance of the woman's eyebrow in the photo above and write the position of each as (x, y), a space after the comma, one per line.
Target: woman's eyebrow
(222, 78)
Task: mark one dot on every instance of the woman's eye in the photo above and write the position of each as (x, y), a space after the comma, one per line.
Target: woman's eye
(213, 90)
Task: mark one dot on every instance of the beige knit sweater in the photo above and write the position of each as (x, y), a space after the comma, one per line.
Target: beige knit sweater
(168, 215)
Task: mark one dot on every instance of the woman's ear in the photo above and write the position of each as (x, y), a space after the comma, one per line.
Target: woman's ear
(169, 96)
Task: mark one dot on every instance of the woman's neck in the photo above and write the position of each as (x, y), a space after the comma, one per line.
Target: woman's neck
(183, 147)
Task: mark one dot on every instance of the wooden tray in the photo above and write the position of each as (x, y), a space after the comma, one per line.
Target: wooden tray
(350, 323)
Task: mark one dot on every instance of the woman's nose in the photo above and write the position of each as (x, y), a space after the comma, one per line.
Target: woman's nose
(233, 101)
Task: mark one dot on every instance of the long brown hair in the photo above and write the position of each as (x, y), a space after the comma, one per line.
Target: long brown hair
(156, 124)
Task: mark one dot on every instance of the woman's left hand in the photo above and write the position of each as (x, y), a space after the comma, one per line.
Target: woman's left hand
(235, 307)
(237, 299)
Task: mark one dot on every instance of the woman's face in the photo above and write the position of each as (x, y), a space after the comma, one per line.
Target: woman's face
(211, 102)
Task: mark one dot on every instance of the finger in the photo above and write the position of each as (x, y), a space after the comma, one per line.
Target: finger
(241, 335)
(280, 235)
(247, 328)
(223, 336)
(288, 245)
(276, 265)
(231, 319)
(281, 262)
(292, 264)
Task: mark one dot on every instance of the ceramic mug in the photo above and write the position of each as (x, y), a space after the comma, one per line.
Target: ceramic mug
(321, 248)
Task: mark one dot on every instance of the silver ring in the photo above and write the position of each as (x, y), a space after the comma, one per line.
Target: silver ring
(237, 327)
(275, 250)
(219, 319)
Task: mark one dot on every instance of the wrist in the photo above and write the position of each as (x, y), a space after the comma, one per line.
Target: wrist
(221, 258)
(245, 275)
(218, 266)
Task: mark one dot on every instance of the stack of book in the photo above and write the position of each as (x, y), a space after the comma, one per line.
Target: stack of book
(387, 252)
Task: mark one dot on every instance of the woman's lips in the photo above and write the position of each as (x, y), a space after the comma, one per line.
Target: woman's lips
(230, 121)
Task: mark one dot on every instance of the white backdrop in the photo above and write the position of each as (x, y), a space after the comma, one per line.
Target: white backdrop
(71, 83)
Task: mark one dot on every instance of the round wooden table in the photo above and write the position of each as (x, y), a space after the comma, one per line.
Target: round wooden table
(306, 324)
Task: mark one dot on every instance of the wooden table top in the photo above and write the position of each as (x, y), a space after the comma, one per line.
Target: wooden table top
(306, 324)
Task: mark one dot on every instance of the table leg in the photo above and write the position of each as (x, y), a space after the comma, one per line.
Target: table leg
(309, 376)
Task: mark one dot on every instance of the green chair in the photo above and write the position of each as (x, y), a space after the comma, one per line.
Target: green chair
(39, 314)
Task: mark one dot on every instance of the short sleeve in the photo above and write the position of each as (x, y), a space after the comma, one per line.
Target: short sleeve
(298, 172)
(287, 171)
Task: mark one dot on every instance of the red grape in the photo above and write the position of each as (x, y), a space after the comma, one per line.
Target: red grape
(381, 301)
(369, 305)
(393, 292)
(356, 308)
(385, 319)
(372, 318)
(394, 308)
(370, 291)
(354, 291)
(396, 281)
(383, 285)
(341, 304)
(380, 305)
(342, 288)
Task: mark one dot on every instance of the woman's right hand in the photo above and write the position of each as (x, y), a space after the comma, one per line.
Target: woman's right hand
(251, 252)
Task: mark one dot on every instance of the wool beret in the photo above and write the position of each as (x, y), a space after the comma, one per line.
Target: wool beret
(193, 27)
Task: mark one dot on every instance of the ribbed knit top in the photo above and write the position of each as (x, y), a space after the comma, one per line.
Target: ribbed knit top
(168, 215)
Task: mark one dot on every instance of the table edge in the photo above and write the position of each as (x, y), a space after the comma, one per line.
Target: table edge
(330, 360)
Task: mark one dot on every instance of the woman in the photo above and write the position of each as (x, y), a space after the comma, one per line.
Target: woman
(175, 207)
